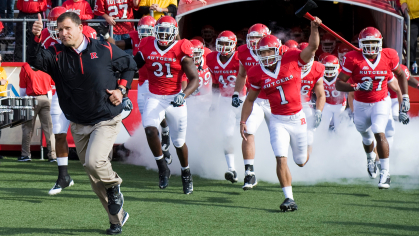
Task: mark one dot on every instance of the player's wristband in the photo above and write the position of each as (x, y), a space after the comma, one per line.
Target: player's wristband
(405, 95)
(242, 122)
(236, 93)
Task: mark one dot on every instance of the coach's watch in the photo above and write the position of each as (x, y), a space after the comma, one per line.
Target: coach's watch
(123, 91)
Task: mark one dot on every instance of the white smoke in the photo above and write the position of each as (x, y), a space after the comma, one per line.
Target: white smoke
(335, 156)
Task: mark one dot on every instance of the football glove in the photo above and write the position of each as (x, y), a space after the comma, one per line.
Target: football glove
(405, 107)
(236, 101)
(179, 100)
(126, 104)
(317, 118)
(364, 86)
(404, 118)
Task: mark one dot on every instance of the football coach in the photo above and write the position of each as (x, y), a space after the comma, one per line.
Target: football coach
(90, 96)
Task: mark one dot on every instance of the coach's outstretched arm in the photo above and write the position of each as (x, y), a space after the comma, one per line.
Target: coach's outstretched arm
(189, 68)
(313, 41)
(125, 64)
(41, 59)
(247, 110)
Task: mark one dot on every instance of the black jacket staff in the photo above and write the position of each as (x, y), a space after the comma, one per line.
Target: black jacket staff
(82, 79)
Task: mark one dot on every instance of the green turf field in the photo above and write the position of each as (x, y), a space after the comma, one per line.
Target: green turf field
(215, 207)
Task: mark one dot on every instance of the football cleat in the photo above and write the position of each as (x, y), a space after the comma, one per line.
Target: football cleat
(164, 173)
(167, 157)
(165, 141)
(187, 181)
(372, 169)
(115, 199)
(385, 181)
(249, 180)
(61, 184)
(288, 205)
(231, 175)
(378, 166)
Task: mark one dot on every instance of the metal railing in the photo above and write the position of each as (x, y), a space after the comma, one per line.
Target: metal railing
(24, 28)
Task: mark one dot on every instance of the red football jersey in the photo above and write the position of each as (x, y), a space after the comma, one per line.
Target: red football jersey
(205, 80)
(380, 72)
(225, 75)
(82, 8)
(47, 41)
(407, 72)
(118, 9)
(164, 68)
(333, 97)
(248, 59)
(31, 6)
(309, 79)
(135, 42)
(283, 86)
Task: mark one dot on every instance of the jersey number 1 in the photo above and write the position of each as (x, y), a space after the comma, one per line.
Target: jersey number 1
(282, 94)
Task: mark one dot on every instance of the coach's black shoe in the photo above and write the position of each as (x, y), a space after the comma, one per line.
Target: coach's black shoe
(117, 228)
(372, 169)
(24, 158)
(187, 181)
(231, 176)
(288, 205)
(62, 182)
(385, 180)
(115, 199)
(164, 173)
(165, 141)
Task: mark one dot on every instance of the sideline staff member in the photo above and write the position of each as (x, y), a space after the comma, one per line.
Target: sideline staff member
(88, 93)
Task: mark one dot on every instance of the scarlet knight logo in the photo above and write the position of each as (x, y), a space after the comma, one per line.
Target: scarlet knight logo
(303, 121)
(93, 55)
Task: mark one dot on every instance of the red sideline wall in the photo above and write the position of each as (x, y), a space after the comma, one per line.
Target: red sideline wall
(414, 100)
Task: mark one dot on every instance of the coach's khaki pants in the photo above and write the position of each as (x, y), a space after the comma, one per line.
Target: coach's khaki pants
(43, 111)
(93, 144)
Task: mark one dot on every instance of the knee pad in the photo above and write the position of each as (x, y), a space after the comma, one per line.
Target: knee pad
(367, 137)
(301, 159)
(178, 143)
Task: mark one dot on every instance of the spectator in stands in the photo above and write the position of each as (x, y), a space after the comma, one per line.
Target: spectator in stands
(412, 7)
(28, 10)
(159, 8)
(117, 10)
(3, 81)
(8, 5)
(81, 7)
(1, 28)
(36, 83)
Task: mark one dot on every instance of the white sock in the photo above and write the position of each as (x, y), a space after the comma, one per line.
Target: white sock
(184, 168)
(62, 161)
(390, 142)
(230, 161)
(165, 129)
(249, 161)
(371, 155)
(288, 192)
(158, 158)
(385, 164)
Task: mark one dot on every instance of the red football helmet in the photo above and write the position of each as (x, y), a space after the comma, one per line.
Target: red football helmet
(199, 38)
(302, 45)
(331, 64)
(255, 33)
(323, 55)
(208, 32)
(226, 43)
(165, 30)
(266, 43)
(283, 49)
(328, 43)
(145, 26)
(52, 25)
(291, 43)
(342, 50)
(198, 50)
(373, 36)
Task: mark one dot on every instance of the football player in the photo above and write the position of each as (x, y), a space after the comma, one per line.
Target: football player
(145, 28)
(328, 44)
(261, 110)
(335, 100)
(312, 80)
(224, 66)
(370, 70)
(280, 78)
(166, 59)
(291, 44)
(60, 124)
(208, 34)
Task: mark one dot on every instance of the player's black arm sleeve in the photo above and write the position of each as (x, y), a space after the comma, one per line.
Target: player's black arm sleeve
(123, 63)
(138, 58)
(128, 44)
(40, 58)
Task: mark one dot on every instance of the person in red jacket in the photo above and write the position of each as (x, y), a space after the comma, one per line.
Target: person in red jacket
(28, 9)
(81, 7)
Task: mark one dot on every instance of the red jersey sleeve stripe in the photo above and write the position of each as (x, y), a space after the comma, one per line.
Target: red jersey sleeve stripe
(346, 70)
(396, 67)
(255, 87)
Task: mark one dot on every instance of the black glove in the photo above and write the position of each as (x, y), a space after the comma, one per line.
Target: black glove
(103, 28)
(236, 101)
(179, 100)
(404, 118)
(126, 104)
